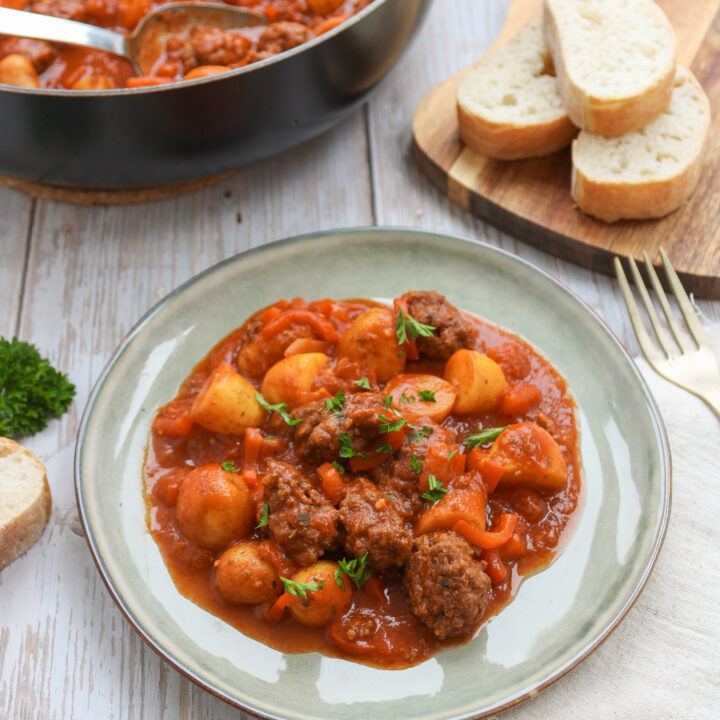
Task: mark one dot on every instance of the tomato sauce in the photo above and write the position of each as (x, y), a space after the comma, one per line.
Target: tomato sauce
(395, 637)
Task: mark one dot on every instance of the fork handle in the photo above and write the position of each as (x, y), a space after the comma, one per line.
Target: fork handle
(712, 398)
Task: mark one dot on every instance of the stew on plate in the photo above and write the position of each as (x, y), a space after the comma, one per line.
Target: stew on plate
(363, 480)
(199, 52)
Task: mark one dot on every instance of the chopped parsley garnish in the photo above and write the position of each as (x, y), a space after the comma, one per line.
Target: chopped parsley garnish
(363, 383)
(384, 448)
(388, 400)
(416, 464)
(229, 467)
(264, 517)
(408, 329)
(279, 409)
(390, 495)
(423, 432)
(336, 404)
(407, 398)
(346, 446)
(435, 490)
(452, 454)
(387, 426)
(338, 467)
(427, 396)
(482, 437)
(301, 590)
(31, 390)
(354, 569)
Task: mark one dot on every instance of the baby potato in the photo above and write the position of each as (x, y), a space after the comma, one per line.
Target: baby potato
(214, 507)
(17, 70)
(459, 504)
(480, 381)
(322, 606)
(242, 575)
(530, 456)
(372, 342)
(408, 390)
(291, 380)
(226, 403)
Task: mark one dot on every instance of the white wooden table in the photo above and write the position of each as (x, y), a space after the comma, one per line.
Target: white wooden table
(73, 280)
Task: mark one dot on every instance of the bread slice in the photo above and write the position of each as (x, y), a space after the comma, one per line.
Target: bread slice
(508, 104)
(648, 172)
(614, 59)
(24, 500)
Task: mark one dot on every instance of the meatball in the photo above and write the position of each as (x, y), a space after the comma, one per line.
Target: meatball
(301, 520)
(452, 331)
(38, 52)
(214, 507)
(373, 526)
(318, 437)
(281, 36)
(68, 9)
(204, 45)
(446, 584)
(243, 575)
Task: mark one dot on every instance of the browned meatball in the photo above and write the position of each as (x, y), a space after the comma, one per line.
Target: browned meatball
(204, 45)
(257, 355)
(452, 331)
(281, 36)
(38, 52)
(374, 526)
(446, 584)
(301, 520)
(69, 9)
(318, 437)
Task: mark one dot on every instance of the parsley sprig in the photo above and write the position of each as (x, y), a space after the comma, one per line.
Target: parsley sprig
(354, 569)
(407, 328)
(301, 590)
(387, 426)
(229, 467)
(346, 445)
(279, 409)
(416, 464)
(482, 437)
(265, 517)
(31, 390)
(363, 383)
(336, 404)
(435, 491)
(427, 396)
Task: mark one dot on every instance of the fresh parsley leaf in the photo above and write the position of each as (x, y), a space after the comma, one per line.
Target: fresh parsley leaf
(336, 404)
(363, 383)
(482, 437)
(31, 390)
(427, 396)
(452, 454)
(406, 398)
(388, 401)
(390, 495)
(384, 448)
(279, 409)
(408, 329)
(435, 490)
(301, 590)
(354, 569)
(264, 517)
(229, 467)
(387, 426)
(338, 467)
(416, 464)
(346, 446)
(423, 432)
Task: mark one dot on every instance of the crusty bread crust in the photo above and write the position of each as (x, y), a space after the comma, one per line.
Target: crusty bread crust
(20, 533)
(608, 117)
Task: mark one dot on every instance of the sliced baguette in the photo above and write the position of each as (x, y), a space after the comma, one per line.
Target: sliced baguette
(614, 59)
(508, 104)
(24, 500)
(649, 172)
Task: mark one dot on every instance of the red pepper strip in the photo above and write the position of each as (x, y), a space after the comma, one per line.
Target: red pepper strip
(270, 314)
(300, 317)
(394, 439)
(409, 347)
(278, 608)
(173, 426)
(487, 539)
(373, 588)
(490, 471)
(496, 569)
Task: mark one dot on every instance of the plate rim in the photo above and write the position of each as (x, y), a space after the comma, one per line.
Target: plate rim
(527, 693)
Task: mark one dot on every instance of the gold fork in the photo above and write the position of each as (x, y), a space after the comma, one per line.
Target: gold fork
(689, 362)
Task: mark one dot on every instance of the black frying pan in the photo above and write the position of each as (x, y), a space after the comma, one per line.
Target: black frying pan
(160, 135)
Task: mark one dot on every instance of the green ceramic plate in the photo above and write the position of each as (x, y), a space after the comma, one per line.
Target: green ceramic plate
(558, 617)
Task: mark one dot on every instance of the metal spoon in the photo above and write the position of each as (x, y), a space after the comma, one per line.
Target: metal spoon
(143, 47)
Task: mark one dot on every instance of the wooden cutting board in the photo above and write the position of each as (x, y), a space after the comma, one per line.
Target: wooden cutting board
(530, 199)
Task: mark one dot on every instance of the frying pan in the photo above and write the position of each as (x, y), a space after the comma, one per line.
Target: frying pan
(167, 134)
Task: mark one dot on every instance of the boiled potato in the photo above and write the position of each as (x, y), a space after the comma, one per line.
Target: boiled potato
(322, 606)
(243, 575)
(408, 390)
(480, 381)
(530, 456)
(458, 504)
(371, 341)
(214, 507)
(226, 403)
(17, 70)
(291, 380)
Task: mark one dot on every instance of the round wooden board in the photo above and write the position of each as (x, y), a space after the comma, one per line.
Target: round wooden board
(530, 199)
(106, 196)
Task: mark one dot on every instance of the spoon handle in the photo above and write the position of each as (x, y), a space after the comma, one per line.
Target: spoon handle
(45, 27)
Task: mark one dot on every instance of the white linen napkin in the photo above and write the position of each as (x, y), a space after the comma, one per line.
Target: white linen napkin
(663, 661)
